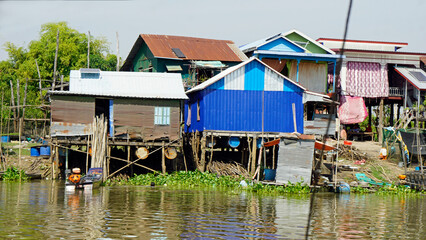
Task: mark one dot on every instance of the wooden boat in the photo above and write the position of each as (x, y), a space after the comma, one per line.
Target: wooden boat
(75, 181)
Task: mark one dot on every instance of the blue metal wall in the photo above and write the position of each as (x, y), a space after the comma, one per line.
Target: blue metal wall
(236, 110)
(242, 110)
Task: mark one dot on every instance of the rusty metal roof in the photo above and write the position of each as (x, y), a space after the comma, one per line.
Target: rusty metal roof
(192, 48)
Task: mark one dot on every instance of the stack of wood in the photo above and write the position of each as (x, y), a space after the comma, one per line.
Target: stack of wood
(228, 169)
(99, 142)
(350, 152)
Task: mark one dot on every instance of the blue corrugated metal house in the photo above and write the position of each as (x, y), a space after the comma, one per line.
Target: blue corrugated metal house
(250, 97)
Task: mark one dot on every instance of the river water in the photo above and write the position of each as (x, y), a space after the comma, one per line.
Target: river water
(44, 210)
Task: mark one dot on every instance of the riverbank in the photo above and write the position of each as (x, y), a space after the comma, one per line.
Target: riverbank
(374, 168)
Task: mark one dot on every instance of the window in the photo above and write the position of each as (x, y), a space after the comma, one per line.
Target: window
(162, 116)
(188, 119)
(198, 111)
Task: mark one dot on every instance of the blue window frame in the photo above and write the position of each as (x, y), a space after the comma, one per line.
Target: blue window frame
(162, 116)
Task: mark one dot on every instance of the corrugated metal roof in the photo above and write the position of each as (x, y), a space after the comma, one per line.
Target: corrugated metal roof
(414, 75)
(232, 69)
(302, 55)
(256, 44)
(209, 64)
(127, 84)
(192, 48)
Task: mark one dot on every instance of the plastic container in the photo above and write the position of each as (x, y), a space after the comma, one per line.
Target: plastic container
(45, 151)
(35, 151)
(234, 142)
(269, 174)
(5, 138)
(259, 142)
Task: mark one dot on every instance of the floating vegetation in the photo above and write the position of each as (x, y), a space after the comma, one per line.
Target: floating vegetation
(14, 174)
(396, 190)
(387, 190)
(197, 179)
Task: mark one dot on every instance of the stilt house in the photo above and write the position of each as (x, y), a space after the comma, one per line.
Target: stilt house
(243, 104)
(380, 74)
(142, 110)
(197, 59)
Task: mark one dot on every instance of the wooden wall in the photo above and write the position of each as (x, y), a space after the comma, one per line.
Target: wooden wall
(72, 109)
(136, 117)
(71, 115)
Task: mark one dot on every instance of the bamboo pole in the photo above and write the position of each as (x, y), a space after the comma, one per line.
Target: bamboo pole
(23, 106)
(19, 150)
(12, 100)
(18, 99)
(39, 83)
(56, 59)
(1, 132)
(118, 53)
(88, 50)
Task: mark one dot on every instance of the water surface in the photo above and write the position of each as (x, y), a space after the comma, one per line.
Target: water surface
(43, 210)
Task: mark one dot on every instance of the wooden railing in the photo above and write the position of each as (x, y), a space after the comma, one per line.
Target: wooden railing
(396, 92)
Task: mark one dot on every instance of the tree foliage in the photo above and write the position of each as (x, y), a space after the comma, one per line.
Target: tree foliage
(72, 55)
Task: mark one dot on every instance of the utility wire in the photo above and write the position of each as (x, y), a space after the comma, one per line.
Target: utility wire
(334, 98)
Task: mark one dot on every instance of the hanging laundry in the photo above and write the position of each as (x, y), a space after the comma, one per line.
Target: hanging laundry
(352, 110)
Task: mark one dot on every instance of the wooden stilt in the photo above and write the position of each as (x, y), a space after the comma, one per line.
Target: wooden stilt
(253, 155)
(56, 165)
(163, 158)
(183, 154)
(108, 157)
(128, 154)
(52, 160)
(87, 153)
(211, 153)
(391, 114)
(273, 157)
(203, 154)
(381, 116)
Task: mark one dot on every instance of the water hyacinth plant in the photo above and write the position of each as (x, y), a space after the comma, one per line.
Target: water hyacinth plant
(197, 179)
(14, 174)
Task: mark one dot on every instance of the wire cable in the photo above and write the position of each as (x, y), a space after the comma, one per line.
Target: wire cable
(334, 97)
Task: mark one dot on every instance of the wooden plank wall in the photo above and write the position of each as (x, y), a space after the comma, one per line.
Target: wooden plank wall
(72, 109)
(136, 117)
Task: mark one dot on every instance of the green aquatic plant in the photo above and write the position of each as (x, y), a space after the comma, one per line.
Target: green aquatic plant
(14, 174)
(197, 179)
(360, 190)
(396, 190)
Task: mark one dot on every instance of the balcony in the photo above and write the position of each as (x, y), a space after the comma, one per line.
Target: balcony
(396, 92)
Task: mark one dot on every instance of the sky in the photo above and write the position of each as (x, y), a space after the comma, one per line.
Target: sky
(242, 21)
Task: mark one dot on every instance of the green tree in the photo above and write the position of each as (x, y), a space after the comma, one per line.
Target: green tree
(21, 67)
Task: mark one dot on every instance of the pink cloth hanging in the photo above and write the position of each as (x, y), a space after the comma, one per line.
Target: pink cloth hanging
(352, 110)
(366, 79)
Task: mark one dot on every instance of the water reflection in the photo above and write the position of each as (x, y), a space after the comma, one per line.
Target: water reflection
(43, 210)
